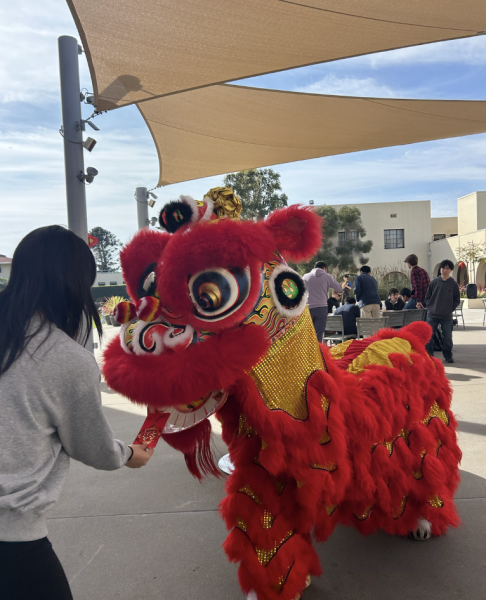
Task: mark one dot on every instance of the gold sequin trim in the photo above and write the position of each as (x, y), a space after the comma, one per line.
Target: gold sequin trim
(264, 445)
(363, 515)
(337, 352)
(404, 433)
(265, 556)
(397, 514)
(300, 483)
(331, 509)
(241, 524)
(378, 353)
(438, 413)
(325, 437)
(282, 580)
(244, 429)
(418, 474)
(249, 492)
(436, 501)
(284, 388)
(267, 520)
(279, 487)
(329, 467)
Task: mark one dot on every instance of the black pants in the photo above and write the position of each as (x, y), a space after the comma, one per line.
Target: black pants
(32, 571)
(319, 319)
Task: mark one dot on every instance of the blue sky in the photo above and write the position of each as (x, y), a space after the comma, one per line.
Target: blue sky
(32, 189)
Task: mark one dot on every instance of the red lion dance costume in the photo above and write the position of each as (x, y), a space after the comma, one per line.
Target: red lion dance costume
(361, 434)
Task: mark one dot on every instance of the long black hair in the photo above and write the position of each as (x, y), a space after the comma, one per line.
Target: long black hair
(52, 274)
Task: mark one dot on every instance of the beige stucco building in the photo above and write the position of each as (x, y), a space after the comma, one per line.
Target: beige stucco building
(470, 227)
(401, 228)
(397, 229)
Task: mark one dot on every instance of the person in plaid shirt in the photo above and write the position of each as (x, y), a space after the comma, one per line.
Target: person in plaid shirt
(419, 278)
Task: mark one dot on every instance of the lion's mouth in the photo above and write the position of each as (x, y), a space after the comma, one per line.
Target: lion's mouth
(155, 337)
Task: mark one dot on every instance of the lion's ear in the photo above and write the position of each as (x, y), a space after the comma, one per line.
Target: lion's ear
(297, 231)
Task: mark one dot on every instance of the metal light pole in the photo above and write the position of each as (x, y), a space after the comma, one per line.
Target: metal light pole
(141, 196)
(73, 139)
(73, 135)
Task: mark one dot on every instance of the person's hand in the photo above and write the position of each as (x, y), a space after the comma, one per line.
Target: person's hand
(140, 457)
(420, 305)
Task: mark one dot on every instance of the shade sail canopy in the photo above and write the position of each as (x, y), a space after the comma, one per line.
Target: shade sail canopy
(226, 128)
(142, 49)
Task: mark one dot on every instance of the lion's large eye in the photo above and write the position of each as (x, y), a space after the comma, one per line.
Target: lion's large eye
(218, 292)
(288, 291)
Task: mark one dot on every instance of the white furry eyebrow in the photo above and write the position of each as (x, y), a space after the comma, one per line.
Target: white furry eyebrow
(148, 281)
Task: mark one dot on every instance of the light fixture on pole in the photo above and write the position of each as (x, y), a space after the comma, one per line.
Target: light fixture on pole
(89, 144)
(88, 177)
(311, 201)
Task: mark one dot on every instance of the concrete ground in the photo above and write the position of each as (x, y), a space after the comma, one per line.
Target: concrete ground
(154, 533)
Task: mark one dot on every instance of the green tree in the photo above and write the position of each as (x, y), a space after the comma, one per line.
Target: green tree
(107, 250)
(343, 244)
(259, 191)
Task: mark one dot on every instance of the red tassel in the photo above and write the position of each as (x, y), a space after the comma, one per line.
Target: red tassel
(195, 444)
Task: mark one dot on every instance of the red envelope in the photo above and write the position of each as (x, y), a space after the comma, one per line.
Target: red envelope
(152, 428)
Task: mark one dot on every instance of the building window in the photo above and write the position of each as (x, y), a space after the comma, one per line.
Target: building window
(350, 236)
(113, 283)
(394, 238)
(101, 283)
(393, 216)
(439, 236)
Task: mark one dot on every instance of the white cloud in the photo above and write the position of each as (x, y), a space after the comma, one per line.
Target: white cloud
(470, 51)
(29, 63)
(451, 168)
(350, 86)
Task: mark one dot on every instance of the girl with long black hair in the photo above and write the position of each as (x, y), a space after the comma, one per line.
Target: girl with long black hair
(50, 404)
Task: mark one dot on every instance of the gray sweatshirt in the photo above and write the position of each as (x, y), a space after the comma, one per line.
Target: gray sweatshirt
(50, 407)
(442, 298)
(317, 284)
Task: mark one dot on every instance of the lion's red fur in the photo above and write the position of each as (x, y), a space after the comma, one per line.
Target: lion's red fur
(367, 454)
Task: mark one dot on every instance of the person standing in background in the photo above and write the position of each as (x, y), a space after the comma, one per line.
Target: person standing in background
(419, 278)
(366, 293)
(441, 300)
(317, 284)
(346, 288)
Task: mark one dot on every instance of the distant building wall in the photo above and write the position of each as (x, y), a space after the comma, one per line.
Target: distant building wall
(471, 212)
(104, 278)
(445, 249)
(413, 218)
(445, 226)
(5, 269)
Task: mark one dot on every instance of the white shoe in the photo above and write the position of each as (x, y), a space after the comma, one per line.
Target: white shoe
(423, 531)
(228, 467)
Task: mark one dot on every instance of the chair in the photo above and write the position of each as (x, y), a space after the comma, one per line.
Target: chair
(396, 318)
(458, 313)
(417, 314)
(367, 327)
(484, 302)
(335, 327)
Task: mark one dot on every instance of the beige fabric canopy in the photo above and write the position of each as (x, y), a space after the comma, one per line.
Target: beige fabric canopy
(143, 49)
(226, 128)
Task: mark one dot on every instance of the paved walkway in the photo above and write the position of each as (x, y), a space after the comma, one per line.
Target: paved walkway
(155, 533)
